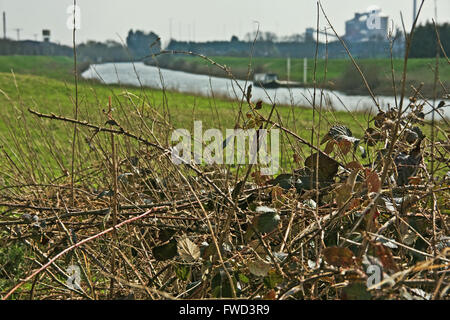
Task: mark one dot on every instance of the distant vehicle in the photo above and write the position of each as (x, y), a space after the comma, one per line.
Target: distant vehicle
(265, 79)
(270, 80)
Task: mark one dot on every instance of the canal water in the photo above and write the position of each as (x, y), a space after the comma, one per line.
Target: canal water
(140, 74)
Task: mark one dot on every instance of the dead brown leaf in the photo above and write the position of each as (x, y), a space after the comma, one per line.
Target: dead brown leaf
(373, 181)
(338, 257)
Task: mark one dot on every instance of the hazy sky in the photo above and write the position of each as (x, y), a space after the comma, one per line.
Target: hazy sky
(198, 20)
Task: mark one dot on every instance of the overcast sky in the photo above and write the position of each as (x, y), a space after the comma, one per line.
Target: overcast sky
(199, 20)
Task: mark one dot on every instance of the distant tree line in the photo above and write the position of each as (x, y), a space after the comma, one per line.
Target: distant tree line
(30, 48)
(289, 48)
(424, 42)
(143, 44)
(98, 52)
(140, 44)
(273, 37)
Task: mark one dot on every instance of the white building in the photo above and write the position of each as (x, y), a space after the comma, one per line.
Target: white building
(367, 26)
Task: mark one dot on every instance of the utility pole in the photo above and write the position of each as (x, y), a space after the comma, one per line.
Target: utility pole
(288, 67)
(305, 69)
(4, 25)
(18, 33)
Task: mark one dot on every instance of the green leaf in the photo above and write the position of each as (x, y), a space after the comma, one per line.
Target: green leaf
(302, 179)
(328, 167)
(166, 251)
(182, 272)
(283, 180)
(243, 278)
(166, 234)
(272, 279)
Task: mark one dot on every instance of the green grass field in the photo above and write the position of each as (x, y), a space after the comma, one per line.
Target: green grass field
(41, 87)
(45, 84)
(41, 83)
(51, 67)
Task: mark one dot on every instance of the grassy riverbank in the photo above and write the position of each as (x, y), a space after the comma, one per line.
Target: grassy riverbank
(337, 74)
(45, 84)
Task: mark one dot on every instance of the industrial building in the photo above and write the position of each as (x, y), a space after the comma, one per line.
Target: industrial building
(371, 25)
